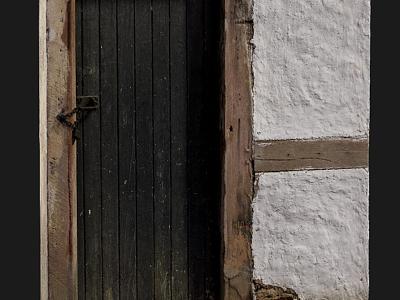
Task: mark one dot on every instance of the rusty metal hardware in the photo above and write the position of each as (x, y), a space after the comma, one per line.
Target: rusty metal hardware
(83, 104)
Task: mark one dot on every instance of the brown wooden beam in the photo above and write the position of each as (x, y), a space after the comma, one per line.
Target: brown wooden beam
(237, 163)
(58, 161)
(289, 155)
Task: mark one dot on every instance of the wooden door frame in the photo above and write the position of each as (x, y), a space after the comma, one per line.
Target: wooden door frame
(237, 167)
(58, 195)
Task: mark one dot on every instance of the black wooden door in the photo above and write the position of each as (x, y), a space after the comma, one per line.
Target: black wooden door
(149, 157)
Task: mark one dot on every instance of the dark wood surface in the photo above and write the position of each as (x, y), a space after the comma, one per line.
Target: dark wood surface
(178, 83)
(287, 155)
(91, 141)
(127, 157)
(144, 149)
(196, 71)
(79, 153)
(179, 104)
(162, 153)
(149, 162)
(109, 148)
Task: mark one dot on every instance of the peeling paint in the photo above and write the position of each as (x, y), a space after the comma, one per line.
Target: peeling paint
(273, 292)
(310, 232)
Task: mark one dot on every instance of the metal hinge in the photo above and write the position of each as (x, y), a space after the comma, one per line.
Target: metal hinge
(83, 103)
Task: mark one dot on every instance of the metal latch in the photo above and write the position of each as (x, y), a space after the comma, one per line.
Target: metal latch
(83, 104)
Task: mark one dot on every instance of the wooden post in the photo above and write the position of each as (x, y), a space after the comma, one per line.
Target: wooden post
(237, 168)
(57, 154)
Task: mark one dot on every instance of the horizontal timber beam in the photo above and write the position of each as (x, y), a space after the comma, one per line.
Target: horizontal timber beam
(291, 155)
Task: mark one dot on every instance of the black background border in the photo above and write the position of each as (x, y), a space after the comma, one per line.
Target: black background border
(19, 166)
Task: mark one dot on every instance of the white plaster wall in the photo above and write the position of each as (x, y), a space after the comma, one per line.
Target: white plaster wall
(310, 232)
(311, 68)
(311, 80)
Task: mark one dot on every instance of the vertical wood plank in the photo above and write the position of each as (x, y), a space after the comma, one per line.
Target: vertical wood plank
(91, 153)
(127, 150)
(212, 146)
(237, 168)
(44, 286)
(109, 148)
(162, 182)
(144, 154)
(61, 159)
(80, 160)
(154, 180)
(178, 65)
(196, 162)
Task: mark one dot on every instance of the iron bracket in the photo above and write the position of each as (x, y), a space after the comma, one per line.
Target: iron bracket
(83, 104)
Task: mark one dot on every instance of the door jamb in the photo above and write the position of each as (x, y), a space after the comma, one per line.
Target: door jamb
(237, 161)
(58, 219)
(58, 195)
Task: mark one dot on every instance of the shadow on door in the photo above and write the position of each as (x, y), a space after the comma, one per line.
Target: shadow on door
(149, 159)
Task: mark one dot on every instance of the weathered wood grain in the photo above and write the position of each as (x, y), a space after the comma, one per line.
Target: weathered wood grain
(179, 124)
(288, 155)
(80, 160)
(211, 146)
(196, 162)
(43, 149)
(162, 151)
(127, 150)
(58, 179)
(237, 168)
(108, 87)
(91, 139)
(144, 149)
(58, 154)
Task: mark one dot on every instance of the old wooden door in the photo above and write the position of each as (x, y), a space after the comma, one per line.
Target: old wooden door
(149, 156)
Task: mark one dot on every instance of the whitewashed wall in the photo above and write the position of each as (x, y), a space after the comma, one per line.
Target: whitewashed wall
(311, 80)
(311, 68)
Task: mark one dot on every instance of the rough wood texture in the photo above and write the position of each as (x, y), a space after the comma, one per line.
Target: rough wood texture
(126, 138)
(237, 169)
(162, 150)
(43, 149)
(91, 137)
(144, 149)
(58, 86)
(179, 124)
(155, 139)
(289, 155)
(109, 148)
